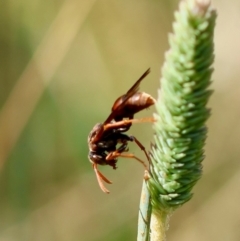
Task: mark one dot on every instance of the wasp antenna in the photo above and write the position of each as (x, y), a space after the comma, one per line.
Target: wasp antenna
(100, 178)
(103, 177)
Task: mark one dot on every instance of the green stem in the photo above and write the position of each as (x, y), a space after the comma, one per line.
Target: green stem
(159, 225)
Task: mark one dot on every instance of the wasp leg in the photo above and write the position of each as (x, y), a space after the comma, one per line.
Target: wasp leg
(127, 121)
(101, 178)
(133, 138)
(115, 154)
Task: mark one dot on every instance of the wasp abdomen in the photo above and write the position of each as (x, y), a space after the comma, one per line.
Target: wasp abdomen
(139, 101)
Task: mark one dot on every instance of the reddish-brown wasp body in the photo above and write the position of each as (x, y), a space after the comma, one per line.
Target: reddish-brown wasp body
(107, 140)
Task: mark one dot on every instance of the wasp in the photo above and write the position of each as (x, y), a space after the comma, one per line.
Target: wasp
(107, 141)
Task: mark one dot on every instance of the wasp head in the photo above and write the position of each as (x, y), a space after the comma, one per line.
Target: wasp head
(95, 134)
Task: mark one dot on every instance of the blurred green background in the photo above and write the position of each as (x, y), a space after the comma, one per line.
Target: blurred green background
(62, 65)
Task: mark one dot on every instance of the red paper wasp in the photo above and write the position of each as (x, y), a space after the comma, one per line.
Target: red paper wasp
(107, 140)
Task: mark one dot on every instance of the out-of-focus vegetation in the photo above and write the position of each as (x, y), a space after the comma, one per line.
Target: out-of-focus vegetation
(62, 64)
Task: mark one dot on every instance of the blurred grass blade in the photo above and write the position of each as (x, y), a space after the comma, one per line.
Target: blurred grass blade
(144, 214)
(39, 72)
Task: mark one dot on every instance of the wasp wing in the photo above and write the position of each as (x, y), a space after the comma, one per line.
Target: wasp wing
(134, 89)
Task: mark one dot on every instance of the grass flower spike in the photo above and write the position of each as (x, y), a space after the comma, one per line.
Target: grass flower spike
(180, 130)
